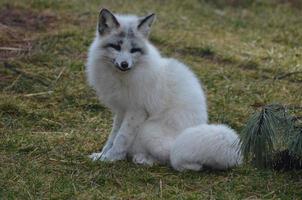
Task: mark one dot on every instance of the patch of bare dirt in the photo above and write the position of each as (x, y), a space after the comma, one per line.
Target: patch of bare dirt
(13, 43)
(293, 3)
(26, 19)
(19, 27)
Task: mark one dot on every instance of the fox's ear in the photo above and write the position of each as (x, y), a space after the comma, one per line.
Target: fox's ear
(145, 23)
(107, 22)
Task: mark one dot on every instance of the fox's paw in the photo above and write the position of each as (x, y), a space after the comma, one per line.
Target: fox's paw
(111, 155)
(142, 159)
(95, 156)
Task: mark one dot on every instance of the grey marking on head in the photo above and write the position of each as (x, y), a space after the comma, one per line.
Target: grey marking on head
(128, 38)
(130, 33)
(121, 34)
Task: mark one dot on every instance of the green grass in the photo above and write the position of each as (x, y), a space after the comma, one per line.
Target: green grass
(51, 120)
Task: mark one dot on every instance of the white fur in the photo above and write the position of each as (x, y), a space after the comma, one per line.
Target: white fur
(216, 146)
(154, 104)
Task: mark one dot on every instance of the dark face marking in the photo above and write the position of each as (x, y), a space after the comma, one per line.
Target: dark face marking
(136, 50)
(117, 47)
(136, 47)
(126, 41)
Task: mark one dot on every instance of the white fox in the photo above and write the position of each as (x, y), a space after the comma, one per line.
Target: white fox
(159, 107)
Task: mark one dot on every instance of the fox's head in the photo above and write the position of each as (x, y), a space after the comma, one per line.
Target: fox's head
(123, 39)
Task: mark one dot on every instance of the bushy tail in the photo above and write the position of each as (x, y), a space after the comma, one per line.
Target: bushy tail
(214, 146)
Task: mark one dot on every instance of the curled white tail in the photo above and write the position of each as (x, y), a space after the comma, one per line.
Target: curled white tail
(214, 146)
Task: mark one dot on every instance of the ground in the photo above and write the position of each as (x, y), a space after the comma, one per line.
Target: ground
(246, 54)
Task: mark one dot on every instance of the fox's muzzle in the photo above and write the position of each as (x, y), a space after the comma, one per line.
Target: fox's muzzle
(123, 61)
(123, 66)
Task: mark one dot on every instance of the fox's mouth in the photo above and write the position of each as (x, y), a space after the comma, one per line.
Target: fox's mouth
(122, 66)
(123, 69)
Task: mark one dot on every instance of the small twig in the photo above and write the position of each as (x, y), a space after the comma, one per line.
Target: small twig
(58, 77)
(268, 194)
(161, 188)
(12, 49)
(51, 121)
(3, 25)
(63, 161)
(38, 94)
(74, 188)
(14, 83)
(286, 75)
(60, 74)
(50, 132)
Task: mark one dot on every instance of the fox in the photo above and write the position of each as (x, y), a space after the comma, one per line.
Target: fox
(158, 104)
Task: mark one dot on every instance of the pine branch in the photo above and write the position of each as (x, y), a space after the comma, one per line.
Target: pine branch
(260, 136)
(273, 138)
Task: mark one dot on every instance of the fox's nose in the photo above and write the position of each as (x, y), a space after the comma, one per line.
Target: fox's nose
(124, 65)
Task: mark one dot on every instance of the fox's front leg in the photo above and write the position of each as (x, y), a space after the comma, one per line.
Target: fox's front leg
(117, 121)
(125, 136)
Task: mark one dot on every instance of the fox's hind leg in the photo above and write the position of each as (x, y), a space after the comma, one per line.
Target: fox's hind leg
(143, 159)
(152, 143)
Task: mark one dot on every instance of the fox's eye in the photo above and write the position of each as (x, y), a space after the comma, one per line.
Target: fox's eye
(114, 46)
(134, 50)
